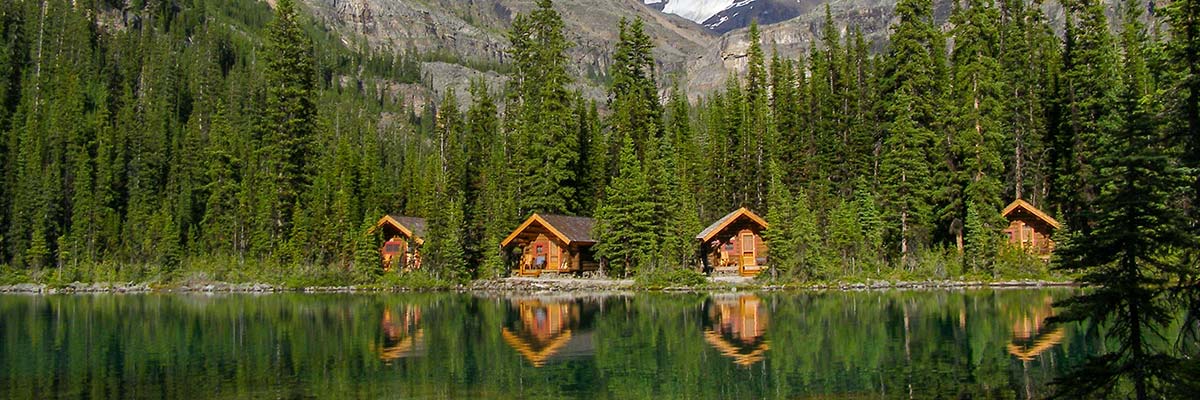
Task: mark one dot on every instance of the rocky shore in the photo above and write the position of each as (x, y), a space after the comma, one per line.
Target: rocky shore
(527, 285)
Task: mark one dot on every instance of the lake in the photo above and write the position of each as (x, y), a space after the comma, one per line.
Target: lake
(874, 344)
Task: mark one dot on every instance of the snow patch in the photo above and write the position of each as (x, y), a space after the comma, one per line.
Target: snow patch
(697, 10)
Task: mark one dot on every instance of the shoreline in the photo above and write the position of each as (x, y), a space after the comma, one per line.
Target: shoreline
(518, 285)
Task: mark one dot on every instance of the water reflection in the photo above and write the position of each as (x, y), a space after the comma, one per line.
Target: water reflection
(736, 325)
(402, 334)
(1031, 337)
(545, 329)
(876, 344)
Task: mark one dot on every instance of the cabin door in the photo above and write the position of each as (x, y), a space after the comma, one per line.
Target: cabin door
(749, 258)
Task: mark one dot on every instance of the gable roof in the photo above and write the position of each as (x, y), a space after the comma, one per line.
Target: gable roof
(1018, 203)
(568, 229)
(410, 226)
(712, 230)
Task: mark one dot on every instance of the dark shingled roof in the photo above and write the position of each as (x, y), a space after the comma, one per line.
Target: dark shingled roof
(728, 219)
(576, 229)
(414, 224)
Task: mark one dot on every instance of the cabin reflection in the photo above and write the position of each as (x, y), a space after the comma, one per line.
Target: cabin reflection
(736, 325)
(402, 336)
(1031, 335)
(548, 329)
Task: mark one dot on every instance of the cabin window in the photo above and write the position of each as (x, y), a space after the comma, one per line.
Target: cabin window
(540, 249)
(391, 248)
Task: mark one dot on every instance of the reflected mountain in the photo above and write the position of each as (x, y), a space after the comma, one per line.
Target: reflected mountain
(403, 336)
(736, 325)
(1031, 337)
(547, 329)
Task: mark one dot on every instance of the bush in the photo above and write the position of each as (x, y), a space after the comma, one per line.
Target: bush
(671, 277)
(13, 276)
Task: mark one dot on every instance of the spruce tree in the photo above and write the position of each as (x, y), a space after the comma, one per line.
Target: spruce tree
(978, 91)
(1089, 100)
(482, 139)
(758, 134)
(289, 117)
(781, 235)
(1132, 251)
(625, 227)
(633, 94)
(911, 91)
(546, 151)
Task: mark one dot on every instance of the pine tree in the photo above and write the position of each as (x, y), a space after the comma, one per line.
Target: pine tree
(911, 92)
(444, 249)
(758, 134)
(483, 139)
(978, 95)
(1029, 57)
(1089, 101)
(546, 145)
(633, 94)
(1183, 17)
(845, 238)
(1131, 252)
(831, 97)
(624, 220)
(289, 118)
(780, 236)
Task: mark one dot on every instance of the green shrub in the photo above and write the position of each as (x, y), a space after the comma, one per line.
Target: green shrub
(13, 276)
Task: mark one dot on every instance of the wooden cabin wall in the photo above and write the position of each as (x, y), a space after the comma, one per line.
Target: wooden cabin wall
(1038, 233)
(760, 245)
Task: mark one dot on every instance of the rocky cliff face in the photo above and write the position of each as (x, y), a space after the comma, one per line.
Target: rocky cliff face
(473, 32)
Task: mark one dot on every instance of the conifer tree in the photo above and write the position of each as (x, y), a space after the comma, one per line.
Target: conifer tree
(1029, 55)
(1183, 17)
(546, 143)
(978, 96)
(289, 118)
(781, 235)
(830, 96)
(633, 94)
(1132, 250)
(845, 238)
(483, 139)
(444, 249)
(758, 134)
(870, 221)
(911, 96)
(625, 219)
(1089, 101)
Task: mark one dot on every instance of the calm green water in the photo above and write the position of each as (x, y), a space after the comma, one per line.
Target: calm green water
(896, 344)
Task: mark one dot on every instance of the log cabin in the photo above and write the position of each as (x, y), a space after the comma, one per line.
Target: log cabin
(552, 244)
(403, 237)
(734, 244)
(1030, 228)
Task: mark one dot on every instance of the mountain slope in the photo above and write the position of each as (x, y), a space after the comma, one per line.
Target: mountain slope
(766, 12)
(470, 34)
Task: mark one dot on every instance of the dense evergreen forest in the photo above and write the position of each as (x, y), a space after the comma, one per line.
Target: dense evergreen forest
(158, 140)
